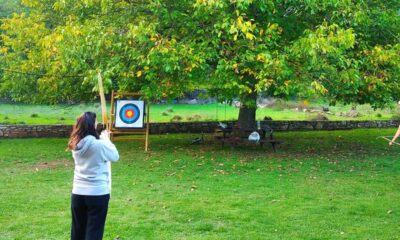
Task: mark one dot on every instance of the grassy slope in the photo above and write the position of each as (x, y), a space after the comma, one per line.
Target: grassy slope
(320, 185)
(19, 113)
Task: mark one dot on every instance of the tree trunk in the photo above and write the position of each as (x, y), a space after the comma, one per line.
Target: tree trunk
(247, 112)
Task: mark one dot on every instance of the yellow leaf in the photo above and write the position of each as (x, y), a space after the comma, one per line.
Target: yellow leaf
(249, 36)
(139, 73)
(146, 68)
(261, 57)
(239, 21)
(3, 50)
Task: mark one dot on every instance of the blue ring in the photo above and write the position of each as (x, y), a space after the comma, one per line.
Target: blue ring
(126, 107)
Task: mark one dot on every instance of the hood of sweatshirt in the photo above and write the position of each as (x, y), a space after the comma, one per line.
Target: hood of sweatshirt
(83, 145)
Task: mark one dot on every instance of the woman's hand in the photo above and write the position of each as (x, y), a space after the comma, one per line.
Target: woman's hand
(105, 134)
(390, 143)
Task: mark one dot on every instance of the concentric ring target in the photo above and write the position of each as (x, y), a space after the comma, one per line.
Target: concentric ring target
(129, 113)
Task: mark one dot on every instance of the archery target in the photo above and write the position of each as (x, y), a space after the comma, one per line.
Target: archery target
(129, 114)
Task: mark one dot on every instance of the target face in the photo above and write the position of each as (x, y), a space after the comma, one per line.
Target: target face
(129, 114)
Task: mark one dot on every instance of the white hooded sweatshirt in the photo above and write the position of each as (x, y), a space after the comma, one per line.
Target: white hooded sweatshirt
(92, 176)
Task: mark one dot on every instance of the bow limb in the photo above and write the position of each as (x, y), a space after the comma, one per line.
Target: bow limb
(103, 101)
(105, 119)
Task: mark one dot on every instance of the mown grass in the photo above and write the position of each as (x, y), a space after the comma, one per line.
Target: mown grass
(61, 114)
(319, 185)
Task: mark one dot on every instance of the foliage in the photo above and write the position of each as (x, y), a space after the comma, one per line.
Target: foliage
(344, 50)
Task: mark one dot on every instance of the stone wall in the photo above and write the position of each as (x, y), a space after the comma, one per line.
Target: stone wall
(22, 131)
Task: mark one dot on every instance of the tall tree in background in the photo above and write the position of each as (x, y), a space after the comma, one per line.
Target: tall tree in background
(344, 50)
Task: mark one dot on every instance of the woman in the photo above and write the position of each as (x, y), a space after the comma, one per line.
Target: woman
(91, 190)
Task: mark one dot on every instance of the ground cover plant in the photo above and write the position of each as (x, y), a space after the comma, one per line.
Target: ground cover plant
(319, 185)
(282, 110)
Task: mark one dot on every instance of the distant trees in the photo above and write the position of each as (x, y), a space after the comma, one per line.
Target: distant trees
(7, 7)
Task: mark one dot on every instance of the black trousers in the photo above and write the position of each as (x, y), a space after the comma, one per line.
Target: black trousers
(88, 216)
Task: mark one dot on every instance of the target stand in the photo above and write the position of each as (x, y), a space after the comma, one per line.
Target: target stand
(130, 117)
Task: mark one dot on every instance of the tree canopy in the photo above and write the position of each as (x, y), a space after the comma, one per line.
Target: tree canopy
(346, 51)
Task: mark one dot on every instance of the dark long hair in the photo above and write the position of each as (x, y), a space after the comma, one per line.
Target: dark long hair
(84, 126)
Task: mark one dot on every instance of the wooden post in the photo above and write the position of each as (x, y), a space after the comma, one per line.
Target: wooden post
(112, 115)
(146, 145)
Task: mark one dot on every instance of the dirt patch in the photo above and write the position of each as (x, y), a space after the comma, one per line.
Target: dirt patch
(53, 164)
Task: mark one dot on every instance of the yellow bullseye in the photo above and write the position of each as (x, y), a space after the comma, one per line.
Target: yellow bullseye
(129, 113)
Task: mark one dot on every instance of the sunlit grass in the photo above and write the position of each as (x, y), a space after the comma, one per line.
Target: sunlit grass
(60, 114)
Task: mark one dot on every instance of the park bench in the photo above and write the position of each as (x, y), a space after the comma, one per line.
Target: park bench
(235, 136)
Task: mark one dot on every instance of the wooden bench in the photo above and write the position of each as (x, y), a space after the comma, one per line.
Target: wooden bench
(235, 136)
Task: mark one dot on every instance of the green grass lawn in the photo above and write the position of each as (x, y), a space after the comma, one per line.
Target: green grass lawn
(60, 114)
(319, 185)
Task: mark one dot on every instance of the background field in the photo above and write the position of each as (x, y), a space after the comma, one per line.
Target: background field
(319, 185)
(63, 114)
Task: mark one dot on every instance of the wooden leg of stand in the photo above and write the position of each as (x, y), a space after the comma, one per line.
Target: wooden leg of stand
(146, 144)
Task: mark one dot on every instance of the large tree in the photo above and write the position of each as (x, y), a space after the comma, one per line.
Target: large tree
(344, 50)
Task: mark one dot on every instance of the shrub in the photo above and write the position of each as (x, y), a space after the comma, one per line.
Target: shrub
(164, 114)
(34, 115)
(170, 110)
(176, 118)
(320, 117)
(196, 117)
(267, 118)
(379, 115)
(396, 116)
